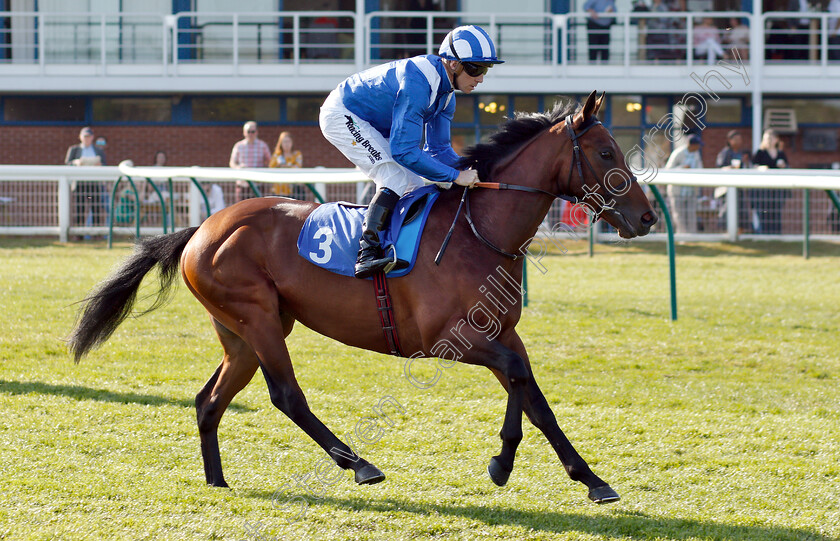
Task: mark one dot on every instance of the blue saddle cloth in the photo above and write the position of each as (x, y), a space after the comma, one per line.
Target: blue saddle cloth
(330, 235)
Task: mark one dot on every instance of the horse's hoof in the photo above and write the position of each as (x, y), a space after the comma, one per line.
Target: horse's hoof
(603, 494)
(369, 475)
(498, 474)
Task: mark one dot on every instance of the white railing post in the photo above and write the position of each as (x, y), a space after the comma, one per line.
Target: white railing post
(63, 209)
(732, 214)
(102, 42)
(175, 37)
(689, 40)
(626, 18)
(296, 41)
(164, 44)
(235, 35)
(757, 40)
(42, 44)
(824, 41)
(361, 36)
(430, 36)
(196, 202)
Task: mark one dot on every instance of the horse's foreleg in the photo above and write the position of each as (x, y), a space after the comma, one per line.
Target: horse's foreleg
(287, 396)
(236, 370)
(540, 414)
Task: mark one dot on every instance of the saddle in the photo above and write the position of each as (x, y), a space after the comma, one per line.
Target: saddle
(330, 235)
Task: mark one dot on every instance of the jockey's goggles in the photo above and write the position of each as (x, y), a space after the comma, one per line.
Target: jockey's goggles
(474, 70)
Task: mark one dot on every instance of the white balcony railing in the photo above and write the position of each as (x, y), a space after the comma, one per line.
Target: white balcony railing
(44, 39)
(323, 47)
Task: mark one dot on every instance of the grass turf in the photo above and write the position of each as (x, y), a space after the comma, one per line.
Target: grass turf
(722, 425)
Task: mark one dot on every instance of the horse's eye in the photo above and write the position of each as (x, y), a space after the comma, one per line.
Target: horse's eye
(607, 155)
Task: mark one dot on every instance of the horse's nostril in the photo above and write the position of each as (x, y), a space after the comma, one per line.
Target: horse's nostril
(649, 218)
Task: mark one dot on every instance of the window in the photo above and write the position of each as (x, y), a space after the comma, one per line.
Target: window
(549, 100)
(44, 109)
(462, 138)
(303, 109)
(809, 111)
(132, 110)
(626, 111)
(235, 109)
(655, 110)
(491, 109)
(526, 104)
(465, 110)
(723, 111)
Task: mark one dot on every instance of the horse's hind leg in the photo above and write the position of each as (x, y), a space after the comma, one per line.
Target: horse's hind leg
(233, 374)
(513, 372)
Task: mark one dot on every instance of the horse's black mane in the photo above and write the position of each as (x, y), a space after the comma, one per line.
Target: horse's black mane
(513, 133)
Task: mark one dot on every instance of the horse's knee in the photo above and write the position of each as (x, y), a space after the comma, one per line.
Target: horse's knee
(288, 400)
(517, 371)
(207, 412)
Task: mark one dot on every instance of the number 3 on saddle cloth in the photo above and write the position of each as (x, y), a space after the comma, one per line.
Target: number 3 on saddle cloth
(330, 235)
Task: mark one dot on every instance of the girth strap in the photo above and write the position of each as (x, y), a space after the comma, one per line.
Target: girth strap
(386, 314)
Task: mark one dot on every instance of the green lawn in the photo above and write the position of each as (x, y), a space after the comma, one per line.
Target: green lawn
(722, 425)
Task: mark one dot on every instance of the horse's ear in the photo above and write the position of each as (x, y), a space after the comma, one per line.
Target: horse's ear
(599, 102)
(586, 111)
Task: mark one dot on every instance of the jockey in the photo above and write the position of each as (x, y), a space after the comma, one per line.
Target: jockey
(377, 117)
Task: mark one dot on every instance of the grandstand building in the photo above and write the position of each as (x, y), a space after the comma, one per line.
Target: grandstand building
(184, 75)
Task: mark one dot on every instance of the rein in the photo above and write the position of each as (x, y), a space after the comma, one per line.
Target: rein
(578, 157)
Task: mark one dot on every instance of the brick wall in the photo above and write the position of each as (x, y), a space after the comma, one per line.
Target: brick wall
(714, 139)
(185, 145)
(210, 146)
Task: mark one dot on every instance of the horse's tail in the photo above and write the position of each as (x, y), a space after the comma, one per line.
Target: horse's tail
(107, 306)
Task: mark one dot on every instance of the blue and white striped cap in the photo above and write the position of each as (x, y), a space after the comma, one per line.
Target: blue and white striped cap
(472, 44)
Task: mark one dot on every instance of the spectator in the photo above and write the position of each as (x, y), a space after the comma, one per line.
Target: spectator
(286, 156)
(249, 152)
(834, 31)
(658, 38)
(707, 42)
(90, 205)
(598, 28)
(800, 30)
(216, 198)
(737, 37)
(732, 156)
(148, 196)
(682, 200)
(769, 203)
(160, 158)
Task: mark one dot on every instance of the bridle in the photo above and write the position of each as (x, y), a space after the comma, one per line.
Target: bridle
(579, 158)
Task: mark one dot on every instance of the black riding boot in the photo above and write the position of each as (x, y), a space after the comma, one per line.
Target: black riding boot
(370, 259)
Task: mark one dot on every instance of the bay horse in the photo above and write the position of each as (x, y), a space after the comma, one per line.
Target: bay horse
(242, 265)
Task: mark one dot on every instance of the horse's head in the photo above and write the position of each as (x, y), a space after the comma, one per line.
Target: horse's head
(598, 176)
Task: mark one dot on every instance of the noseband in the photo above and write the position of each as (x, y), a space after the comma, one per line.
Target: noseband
(578, 159)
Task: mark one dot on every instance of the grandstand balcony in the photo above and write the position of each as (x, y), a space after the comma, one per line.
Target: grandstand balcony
(311, 51)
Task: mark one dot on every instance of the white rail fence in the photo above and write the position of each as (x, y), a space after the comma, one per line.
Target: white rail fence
(68, 201)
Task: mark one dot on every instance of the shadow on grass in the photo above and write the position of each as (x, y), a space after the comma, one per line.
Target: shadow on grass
(79, 392)
(614, 523)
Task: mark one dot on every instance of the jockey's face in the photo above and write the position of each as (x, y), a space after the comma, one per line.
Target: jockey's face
(463, 81)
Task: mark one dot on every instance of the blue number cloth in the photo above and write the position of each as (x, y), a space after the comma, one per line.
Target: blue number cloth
(330, 235)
